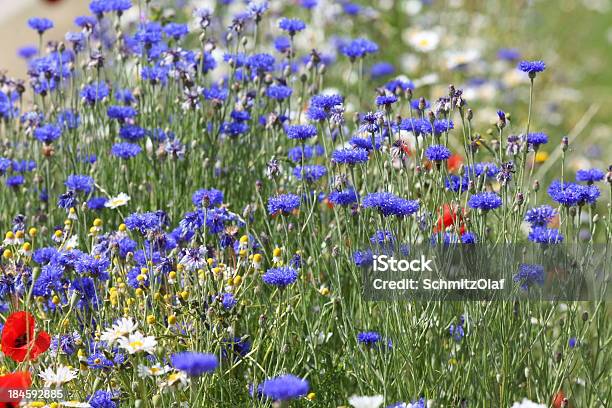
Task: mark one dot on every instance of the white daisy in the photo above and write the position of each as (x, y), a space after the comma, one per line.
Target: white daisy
(114, 202)
(121, 328)
(137, 342)
(527, 404)
(366, 402)
(177, 379)
(60, 376)
(153, 371)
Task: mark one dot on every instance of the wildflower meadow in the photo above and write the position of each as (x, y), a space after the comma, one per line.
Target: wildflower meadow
(193, 195)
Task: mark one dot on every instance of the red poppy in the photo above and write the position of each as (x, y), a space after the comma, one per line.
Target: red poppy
(19, 381)
(19, 340)
(449, 218)
(560, 401)
(454, 162)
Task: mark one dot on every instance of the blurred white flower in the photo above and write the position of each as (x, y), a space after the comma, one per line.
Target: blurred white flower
(413, 7)
(114, 202)
(422, 40)
(527, 404)
(366, 402)
(59, 377)
(153, 371)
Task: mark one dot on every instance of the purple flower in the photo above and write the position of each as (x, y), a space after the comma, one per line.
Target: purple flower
(48, 133)
(193, 363)
(279, 92)
(529, 275)
(78, 182)
(350, 156)
(590, 176)
(125, 150)
(572, 194)
(310, 173)
(540, 216)
(536, 139)
(344, 198)
(532, 67)
(389, 204)
(300, 132)
(207, 198)
(285, 387)
(283, 204)
(542, 235)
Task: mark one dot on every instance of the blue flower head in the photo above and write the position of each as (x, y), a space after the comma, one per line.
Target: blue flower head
(343, 198)
(282, 44)
(572, 194)
(540, 216)
(437, 153)
(48, 133)
(280, 277)
(543, 235)
(350, 156)
(300, 132)
(283, 204)
(485, 201)
(291, 25)
(279, 92)
(285, 387)
(389, 204)
(358, 48)
(310, 173)
(125, 150)
(207, 198)
(176, 31)
(532, 67)
(529, 275)
(78, 182)
(536, 139)
(194, 364)
(40, 24)
(590, 176)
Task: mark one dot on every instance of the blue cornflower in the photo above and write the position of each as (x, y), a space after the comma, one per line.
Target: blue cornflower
(103, 399)
(345, 197)
(93, 267)
(176, 30)
(68, 119)
(149, 34)
(67, 200)
(146, 222)
(194, 364)
(125, 96)
(261, 63)
(155, 75)
(529, 275)
(78, 182)
(326, 101)
(540, 216)
(121, 113)
(132, 133)
(456, 183)
(96, 203)
(207, 198)
(468, 238)
(590, 176)
(536, 139)
(310, 173)
(228, 301)
(389, 204)
(86, 22)
(23, 166)
(366, 142)
(485, 201)
(478, 169)
(27, 52)
(279, 92)
(456, 331)
(280, 277)
(309, 4)
(398, 84)
(359, 48)
(572, 342)
(532, 67)
(291, 25)
(285, 387)
(5, 165)
(300, 132)
(381, 69)
(437, 153)
(99, 7)
(40, 24)
(572, 194)
(283, 204)
(15, 181)
(125, 150)
(48, 133)
(350, 156)
(386, 100)
(297, 154)
(542, 235)
(282, 44)
(508, 54)
(369, 338)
